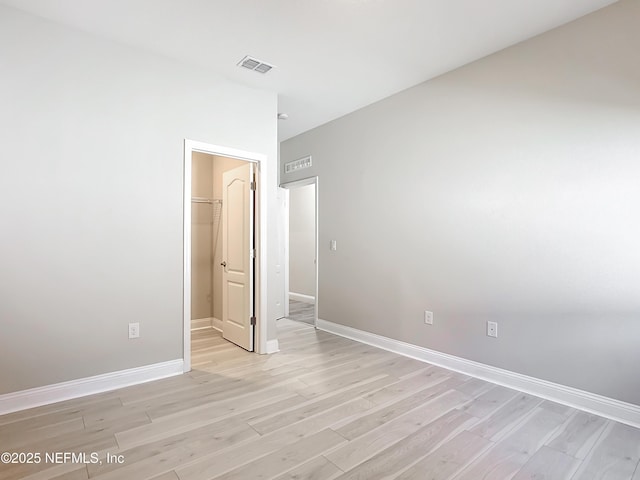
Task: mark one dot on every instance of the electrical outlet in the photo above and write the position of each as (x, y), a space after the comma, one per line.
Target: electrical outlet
(428, 317)
(134, 330)
(492, 329)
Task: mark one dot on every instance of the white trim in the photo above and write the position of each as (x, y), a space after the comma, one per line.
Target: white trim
(216, 324)
(35, 397)
(186, 255)
(285, 246)
(260, 160)
(272, 346)
(201, 323)
(317, 225)
(300, 297)
(589, 402)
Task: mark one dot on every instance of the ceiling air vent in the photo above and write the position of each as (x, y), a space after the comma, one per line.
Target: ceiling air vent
(254, 64)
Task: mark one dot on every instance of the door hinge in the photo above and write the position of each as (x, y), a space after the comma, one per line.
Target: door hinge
(253, 185)
(253, 253)
(253, 320)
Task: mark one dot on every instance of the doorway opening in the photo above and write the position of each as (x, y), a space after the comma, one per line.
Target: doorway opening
(301, 256)
(222, 237)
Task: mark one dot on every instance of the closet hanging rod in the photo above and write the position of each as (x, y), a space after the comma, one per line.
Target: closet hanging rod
(205, 200)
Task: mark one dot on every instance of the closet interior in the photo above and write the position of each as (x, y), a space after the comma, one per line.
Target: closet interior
(206, 233)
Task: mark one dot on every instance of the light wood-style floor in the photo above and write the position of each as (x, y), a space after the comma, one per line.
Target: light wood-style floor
(302, 312)
(323, 408)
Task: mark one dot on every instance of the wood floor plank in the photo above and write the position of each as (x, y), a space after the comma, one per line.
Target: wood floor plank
(329, 418)
(386, 413)
(548, 463)
(166, 476)
(615, 457)
(579, 436)
(60, 414)
(558, 408)
(148, 390)
(448, 458)
(384, 435)
(408, 386)
(307, 335)
(322, 361)
(79, 474)
(509, 455)
(39, 415)
(77, 442)
(490, 401)
(189, 419)
(317, 469)
(474, 387)
(285, 458)
(302, 312)
(354, 369)
(410, 449)
(115, 422)
(353, 363)
(156, 458)
(65, 471)
(153, 398)
(270, 365)
(221, 368)
(218, 393)
(506, 416)
(218, 463)
(253, 370)
(21, 438)
(317, 405)
(321, 345)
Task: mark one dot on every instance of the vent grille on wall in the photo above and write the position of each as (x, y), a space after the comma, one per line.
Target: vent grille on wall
(297, 164)
(254, 64)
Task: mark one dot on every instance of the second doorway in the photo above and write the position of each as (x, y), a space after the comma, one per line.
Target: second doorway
(301, 269)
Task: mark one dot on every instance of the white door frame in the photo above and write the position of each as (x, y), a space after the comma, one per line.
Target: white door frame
(283, 209)
(289, 185)
(191, 146)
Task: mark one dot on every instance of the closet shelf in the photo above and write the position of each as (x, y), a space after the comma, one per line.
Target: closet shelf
(205, 200)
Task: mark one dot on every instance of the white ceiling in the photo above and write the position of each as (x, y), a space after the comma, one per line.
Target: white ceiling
(332, 56)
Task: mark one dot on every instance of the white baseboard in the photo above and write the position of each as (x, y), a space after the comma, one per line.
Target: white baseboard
(200, 323)
(272, 346)
(589, 402)
(216, 323)
(35, 397)
(300, 297)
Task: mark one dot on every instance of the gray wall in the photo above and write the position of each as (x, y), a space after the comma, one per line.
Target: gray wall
(302, 240)
(507, 190)
(91, 141)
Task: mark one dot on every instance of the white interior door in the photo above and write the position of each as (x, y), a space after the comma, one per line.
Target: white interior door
(238, 256)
